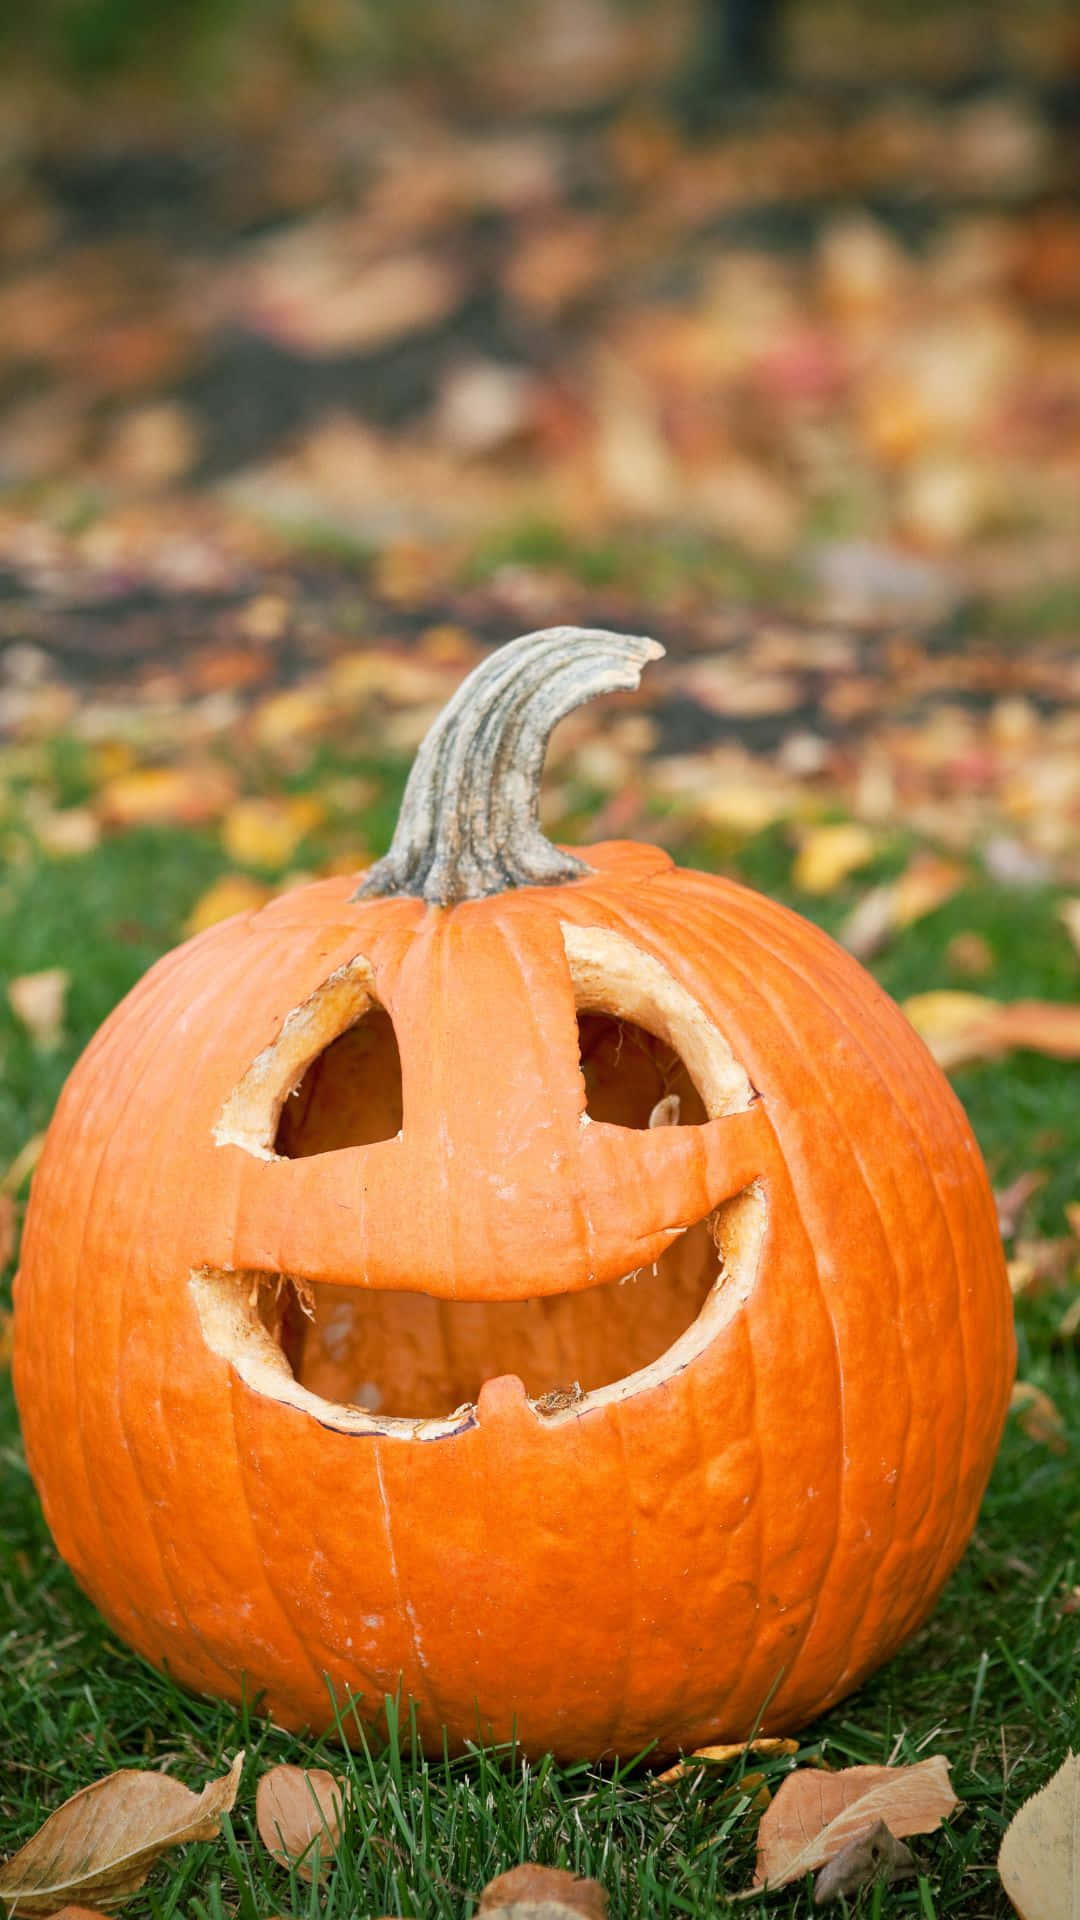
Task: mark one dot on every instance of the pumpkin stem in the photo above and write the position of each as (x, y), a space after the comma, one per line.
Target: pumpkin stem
(469, 823)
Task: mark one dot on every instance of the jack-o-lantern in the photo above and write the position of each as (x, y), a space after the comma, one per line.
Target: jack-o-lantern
(564, 1290)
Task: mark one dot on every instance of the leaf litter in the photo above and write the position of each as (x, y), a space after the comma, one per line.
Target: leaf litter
(815, 1815)
(103, 1842)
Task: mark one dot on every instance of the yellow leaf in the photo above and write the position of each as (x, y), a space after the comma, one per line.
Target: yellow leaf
(298, 1811)
(231, 893)
(103, 1842)
(815, 1815)
(767, 1748)
(1039, 1861)
(266, 833)
(37, 1000)
(828, 854)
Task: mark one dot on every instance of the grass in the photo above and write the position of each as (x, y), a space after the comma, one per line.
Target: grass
(991, 1681)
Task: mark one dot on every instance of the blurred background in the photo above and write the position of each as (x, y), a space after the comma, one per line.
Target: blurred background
(340, 340)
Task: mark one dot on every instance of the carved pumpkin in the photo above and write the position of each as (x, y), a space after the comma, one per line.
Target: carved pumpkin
(564, 1289)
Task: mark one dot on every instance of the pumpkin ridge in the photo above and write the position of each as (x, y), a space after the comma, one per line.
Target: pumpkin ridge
(813, 986)
(161, 996)
(946, 1552)
(706, 931)
(161, 1426)
(931, 1081)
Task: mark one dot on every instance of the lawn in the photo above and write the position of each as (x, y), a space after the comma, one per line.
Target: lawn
(990, 1681)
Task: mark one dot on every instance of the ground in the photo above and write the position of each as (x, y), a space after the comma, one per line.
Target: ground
(323, 366)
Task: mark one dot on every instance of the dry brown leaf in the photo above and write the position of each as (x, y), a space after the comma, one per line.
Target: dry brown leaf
(871, 1856)
(37, 1000)
(1039, 1861)
(530, 1892)
(1039, 1417)
(298, 1811)
(767, 1748)
(815, 1815)
(104, 1841)
(79, 1913)
(961, 1027)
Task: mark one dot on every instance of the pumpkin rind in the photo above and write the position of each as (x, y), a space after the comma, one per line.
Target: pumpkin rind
(728, 1537)
(767, 1525)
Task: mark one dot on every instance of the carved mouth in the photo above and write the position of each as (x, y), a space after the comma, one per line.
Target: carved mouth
(404, 1364)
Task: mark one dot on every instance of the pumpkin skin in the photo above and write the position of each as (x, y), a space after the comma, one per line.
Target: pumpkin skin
(729, 1541)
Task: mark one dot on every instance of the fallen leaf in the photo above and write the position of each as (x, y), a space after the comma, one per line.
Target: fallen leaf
(530, 1892)
(871, 1856)
(1069, 912)
(80, 1913)
(37, 1000)
(970, 954)
(266, 833)
(104, 1840)
(231, 893)
(927, 882)
(962, 1027)
(815, 1814)
(1012, 1200)
(7, 1228)
(164, 796)
(1039, 1861)
(23, 1164)
(298, 1812)
(828, 854)
(1068, 1326)
(1039, 1417)
(67, 832)
(766, 1748)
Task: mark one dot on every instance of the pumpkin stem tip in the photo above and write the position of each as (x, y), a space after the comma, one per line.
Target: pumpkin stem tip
(469, 821)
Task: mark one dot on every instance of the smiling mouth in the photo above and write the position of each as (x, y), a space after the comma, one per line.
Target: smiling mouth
(408, 1365)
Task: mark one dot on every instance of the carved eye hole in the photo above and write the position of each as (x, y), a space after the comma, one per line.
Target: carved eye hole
(350, 1095)
(331, 1078)
(632, 1077)
(650, 1056)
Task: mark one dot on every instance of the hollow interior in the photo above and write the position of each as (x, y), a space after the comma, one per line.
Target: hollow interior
(350, 1095)
(408, 1354)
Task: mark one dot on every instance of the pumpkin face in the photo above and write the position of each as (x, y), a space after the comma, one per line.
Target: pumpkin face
(578, 1305)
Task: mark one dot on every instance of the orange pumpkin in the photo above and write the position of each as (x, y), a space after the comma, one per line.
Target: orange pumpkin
(564, 1289)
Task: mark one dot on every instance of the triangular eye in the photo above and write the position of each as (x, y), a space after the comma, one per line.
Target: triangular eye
(350, 1095)
(632, 1077)
(330, 1078)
